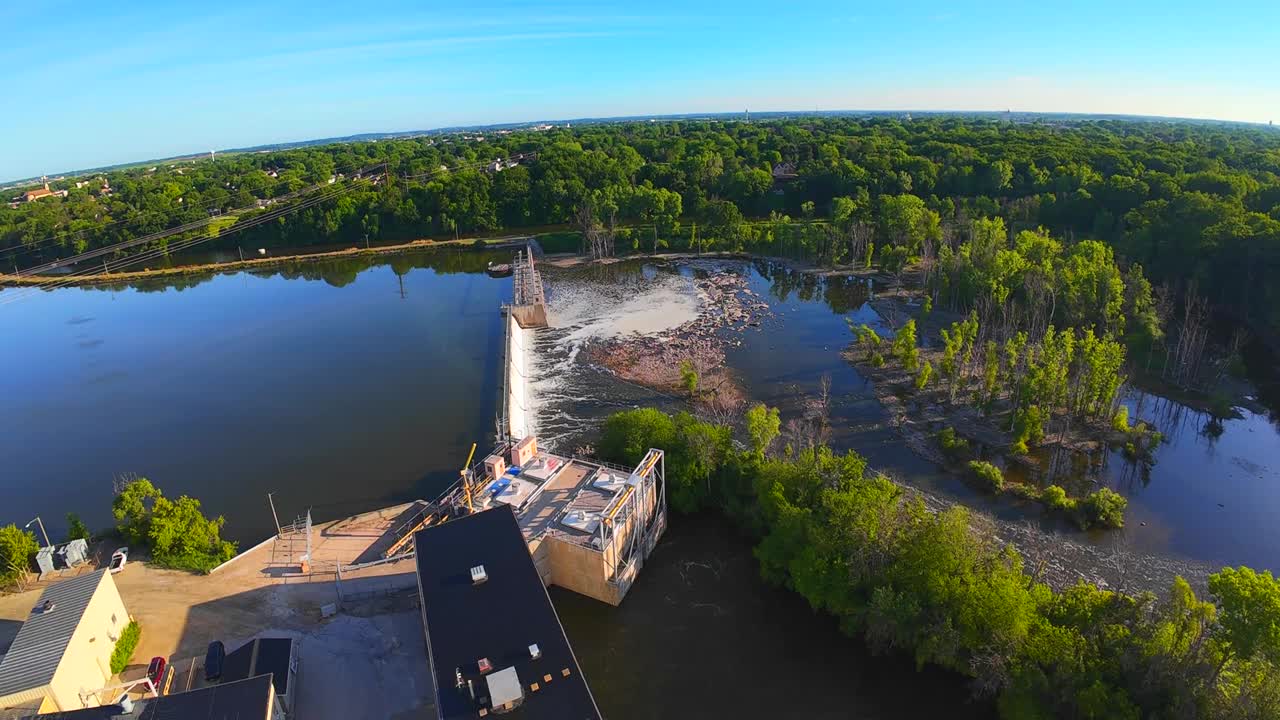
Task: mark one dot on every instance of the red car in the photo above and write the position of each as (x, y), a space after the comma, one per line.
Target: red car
(155, 671)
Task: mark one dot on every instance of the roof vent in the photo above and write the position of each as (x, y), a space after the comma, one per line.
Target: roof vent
(484, 665)
(478, 575)
(44, 607)
(535, 652)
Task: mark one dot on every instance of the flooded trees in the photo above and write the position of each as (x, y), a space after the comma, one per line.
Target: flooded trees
(937, 586)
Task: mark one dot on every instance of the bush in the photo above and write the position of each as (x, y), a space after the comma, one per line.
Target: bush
(688, 378)
(988, 476)
(926, 372)
(123, 652)
(1055, 498)
(1026, 492)
(953, 446)
(1120, 421)
(16, 548)
(1104, 507)
(877, 360)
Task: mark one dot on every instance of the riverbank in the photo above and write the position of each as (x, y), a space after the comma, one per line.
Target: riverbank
(258, 263)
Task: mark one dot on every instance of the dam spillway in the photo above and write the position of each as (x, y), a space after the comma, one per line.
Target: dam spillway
(527, 311)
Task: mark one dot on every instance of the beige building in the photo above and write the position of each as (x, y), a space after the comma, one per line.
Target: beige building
(62, 653)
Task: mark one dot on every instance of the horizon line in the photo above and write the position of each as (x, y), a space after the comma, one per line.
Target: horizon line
(353, 137)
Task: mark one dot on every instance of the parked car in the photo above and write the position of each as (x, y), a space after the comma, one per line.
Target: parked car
(155, 671)
(213, 661)
(118, 560)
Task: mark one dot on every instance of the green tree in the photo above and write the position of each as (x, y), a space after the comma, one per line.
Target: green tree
(1249, 615)
(688, 378)
(179, 535)
(76, 529)
(132, 508)
(763, 425)
(904, 346)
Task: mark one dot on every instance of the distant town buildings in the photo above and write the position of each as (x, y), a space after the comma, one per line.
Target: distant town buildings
(40, 193)
(501, 164)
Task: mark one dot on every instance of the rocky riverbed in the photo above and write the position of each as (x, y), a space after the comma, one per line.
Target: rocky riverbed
(726, 307)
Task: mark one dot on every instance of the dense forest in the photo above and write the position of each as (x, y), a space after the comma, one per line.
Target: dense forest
(1195, 205)
(933, 586)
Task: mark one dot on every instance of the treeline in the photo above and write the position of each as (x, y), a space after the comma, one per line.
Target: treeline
(1190, 203)
(911, 581)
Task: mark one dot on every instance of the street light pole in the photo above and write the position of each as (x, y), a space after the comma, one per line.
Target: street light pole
(39, 522)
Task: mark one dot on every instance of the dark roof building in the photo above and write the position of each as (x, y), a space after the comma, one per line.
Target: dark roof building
(494, 640)
(249, 699)
(274, 656)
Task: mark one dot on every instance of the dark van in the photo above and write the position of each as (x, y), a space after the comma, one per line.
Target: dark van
(214, 659)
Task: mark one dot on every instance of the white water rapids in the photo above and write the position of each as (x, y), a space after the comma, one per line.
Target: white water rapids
(563, 399)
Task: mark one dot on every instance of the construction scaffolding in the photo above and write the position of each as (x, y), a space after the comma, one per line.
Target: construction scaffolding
(634, 521)
(293, 545)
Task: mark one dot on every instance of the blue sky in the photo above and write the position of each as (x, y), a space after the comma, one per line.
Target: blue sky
(96, 83)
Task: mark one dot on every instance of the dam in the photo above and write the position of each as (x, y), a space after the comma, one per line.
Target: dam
(589, 525)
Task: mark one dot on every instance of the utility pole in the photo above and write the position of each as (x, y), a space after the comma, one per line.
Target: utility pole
(241, 251)
(273, 514)
(366, 241)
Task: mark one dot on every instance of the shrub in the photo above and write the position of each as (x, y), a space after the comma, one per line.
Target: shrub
(926, 307)
(904, 346)
(688, 377)
(1104, 507)
(16, 548)
(988, 476)
(1120, 421)
(877, 360)
(926, 372)
(953, 446)
(124, 647)
(1026, 492)
(1055, 498)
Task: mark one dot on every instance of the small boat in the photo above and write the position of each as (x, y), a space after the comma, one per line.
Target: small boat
(498, 269)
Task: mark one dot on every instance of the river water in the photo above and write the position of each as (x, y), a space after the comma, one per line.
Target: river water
(352, 384)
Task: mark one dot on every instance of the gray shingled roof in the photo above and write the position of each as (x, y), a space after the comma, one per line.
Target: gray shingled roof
(43, 638)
